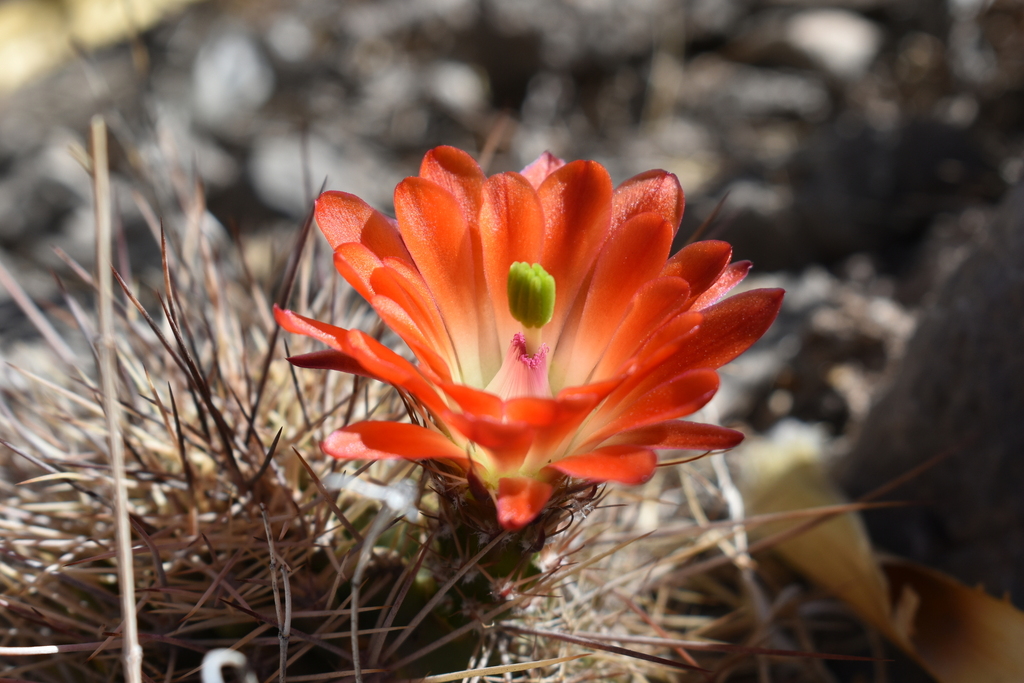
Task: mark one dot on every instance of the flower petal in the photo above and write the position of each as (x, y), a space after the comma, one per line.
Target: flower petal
(401, 323)
(392, 368)
(506, 443)
(644, 369)
(651, 307)
(356, 263)
(390, 440)
(632, 255)
(520, 500)
(511, 229)
(329, 359)
(344, 218)
(681, 434)
(411, 294)
(657, 191)
(730, 277)
(680, 396)
(473, 400)
(331, 335)
(625, 464)
(438, 237)
(729, 328)
(457, 172)
(538, 171)
(577, 211)
(699, 264)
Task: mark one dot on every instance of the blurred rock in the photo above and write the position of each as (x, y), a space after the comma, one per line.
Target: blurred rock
(457, 86)
(842, 42)
(708, 18)
(279, 172)
(573, 32)
(759, 221)
(290, 38)
(839, 42)
(41, 189)
(958, 393)
(734, 91)
(231, 78)
(372, 20)
(859, 189)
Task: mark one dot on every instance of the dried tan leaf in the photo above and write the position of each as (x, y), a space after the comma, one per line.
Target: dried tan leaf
(958, 634)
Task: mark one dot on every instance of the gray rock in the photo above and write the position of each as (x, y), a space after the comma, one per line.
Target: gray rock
(838, 42)
(842, 42)
(41, 189)
(857, 188)
(457, 86)
(290, 38)
(958, 393)
(231, 78)
(276, 172)
(736, 91)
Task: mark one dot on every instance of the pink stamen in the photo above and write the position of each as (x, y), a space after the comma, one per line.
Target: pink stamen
(522, 374)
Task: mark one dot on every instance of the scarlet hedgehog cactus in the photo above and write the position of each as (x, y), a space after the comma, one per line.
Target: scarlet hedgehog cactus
(555, 339)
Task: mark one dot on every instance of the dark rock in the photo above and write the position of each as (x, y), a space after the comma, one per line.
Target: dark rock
(958, 393)
(857, 188)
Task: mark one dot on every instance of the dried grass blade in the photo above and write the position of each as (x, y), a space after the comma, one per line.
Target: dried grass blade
(33, 313)
(111, 406)
(500, 670)
(597, 645)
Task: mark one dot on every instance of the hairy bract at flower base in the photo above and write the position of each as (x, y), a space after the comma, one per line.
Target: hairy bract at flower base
(588, 389)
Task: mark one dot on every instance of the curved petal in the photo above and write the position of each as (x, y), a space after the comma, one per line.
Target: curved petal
(377, 360)
(577, 211)
(388, 441)
(415, 300)
(699, 264)
(520, 500)
(506, 442)
(457, 172)
(392, 368)
(680, 434)
(473, 400)
(651, 307)
(657, 191)
(644, 369)
(401, 323)
(728, 329)
(329, 359)
(356, 263)
(557, 420)
(511, 229)
(331, 335)
(682, 395)
(437, 236)
(730, 277)
(632, 255)
(538, 171)
(344, 218)
(625, 464)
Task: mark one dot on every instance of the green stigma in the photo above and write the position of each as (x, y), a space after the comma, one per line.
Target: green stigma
(531, 294)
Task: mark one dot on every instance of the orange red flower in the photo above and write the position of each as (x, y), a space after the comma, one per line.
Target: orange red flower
(632, 345)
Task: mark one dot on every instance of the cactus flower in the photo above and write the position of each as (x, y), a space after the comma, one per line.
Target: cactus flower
(555, 339)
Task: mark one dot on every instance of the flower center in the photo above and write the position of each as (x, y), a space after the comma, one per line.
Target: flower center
(531, 300)
(522, 373)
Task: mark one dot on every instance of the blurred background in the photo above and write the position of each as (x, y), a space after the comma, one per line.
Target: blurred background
(867, 155)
